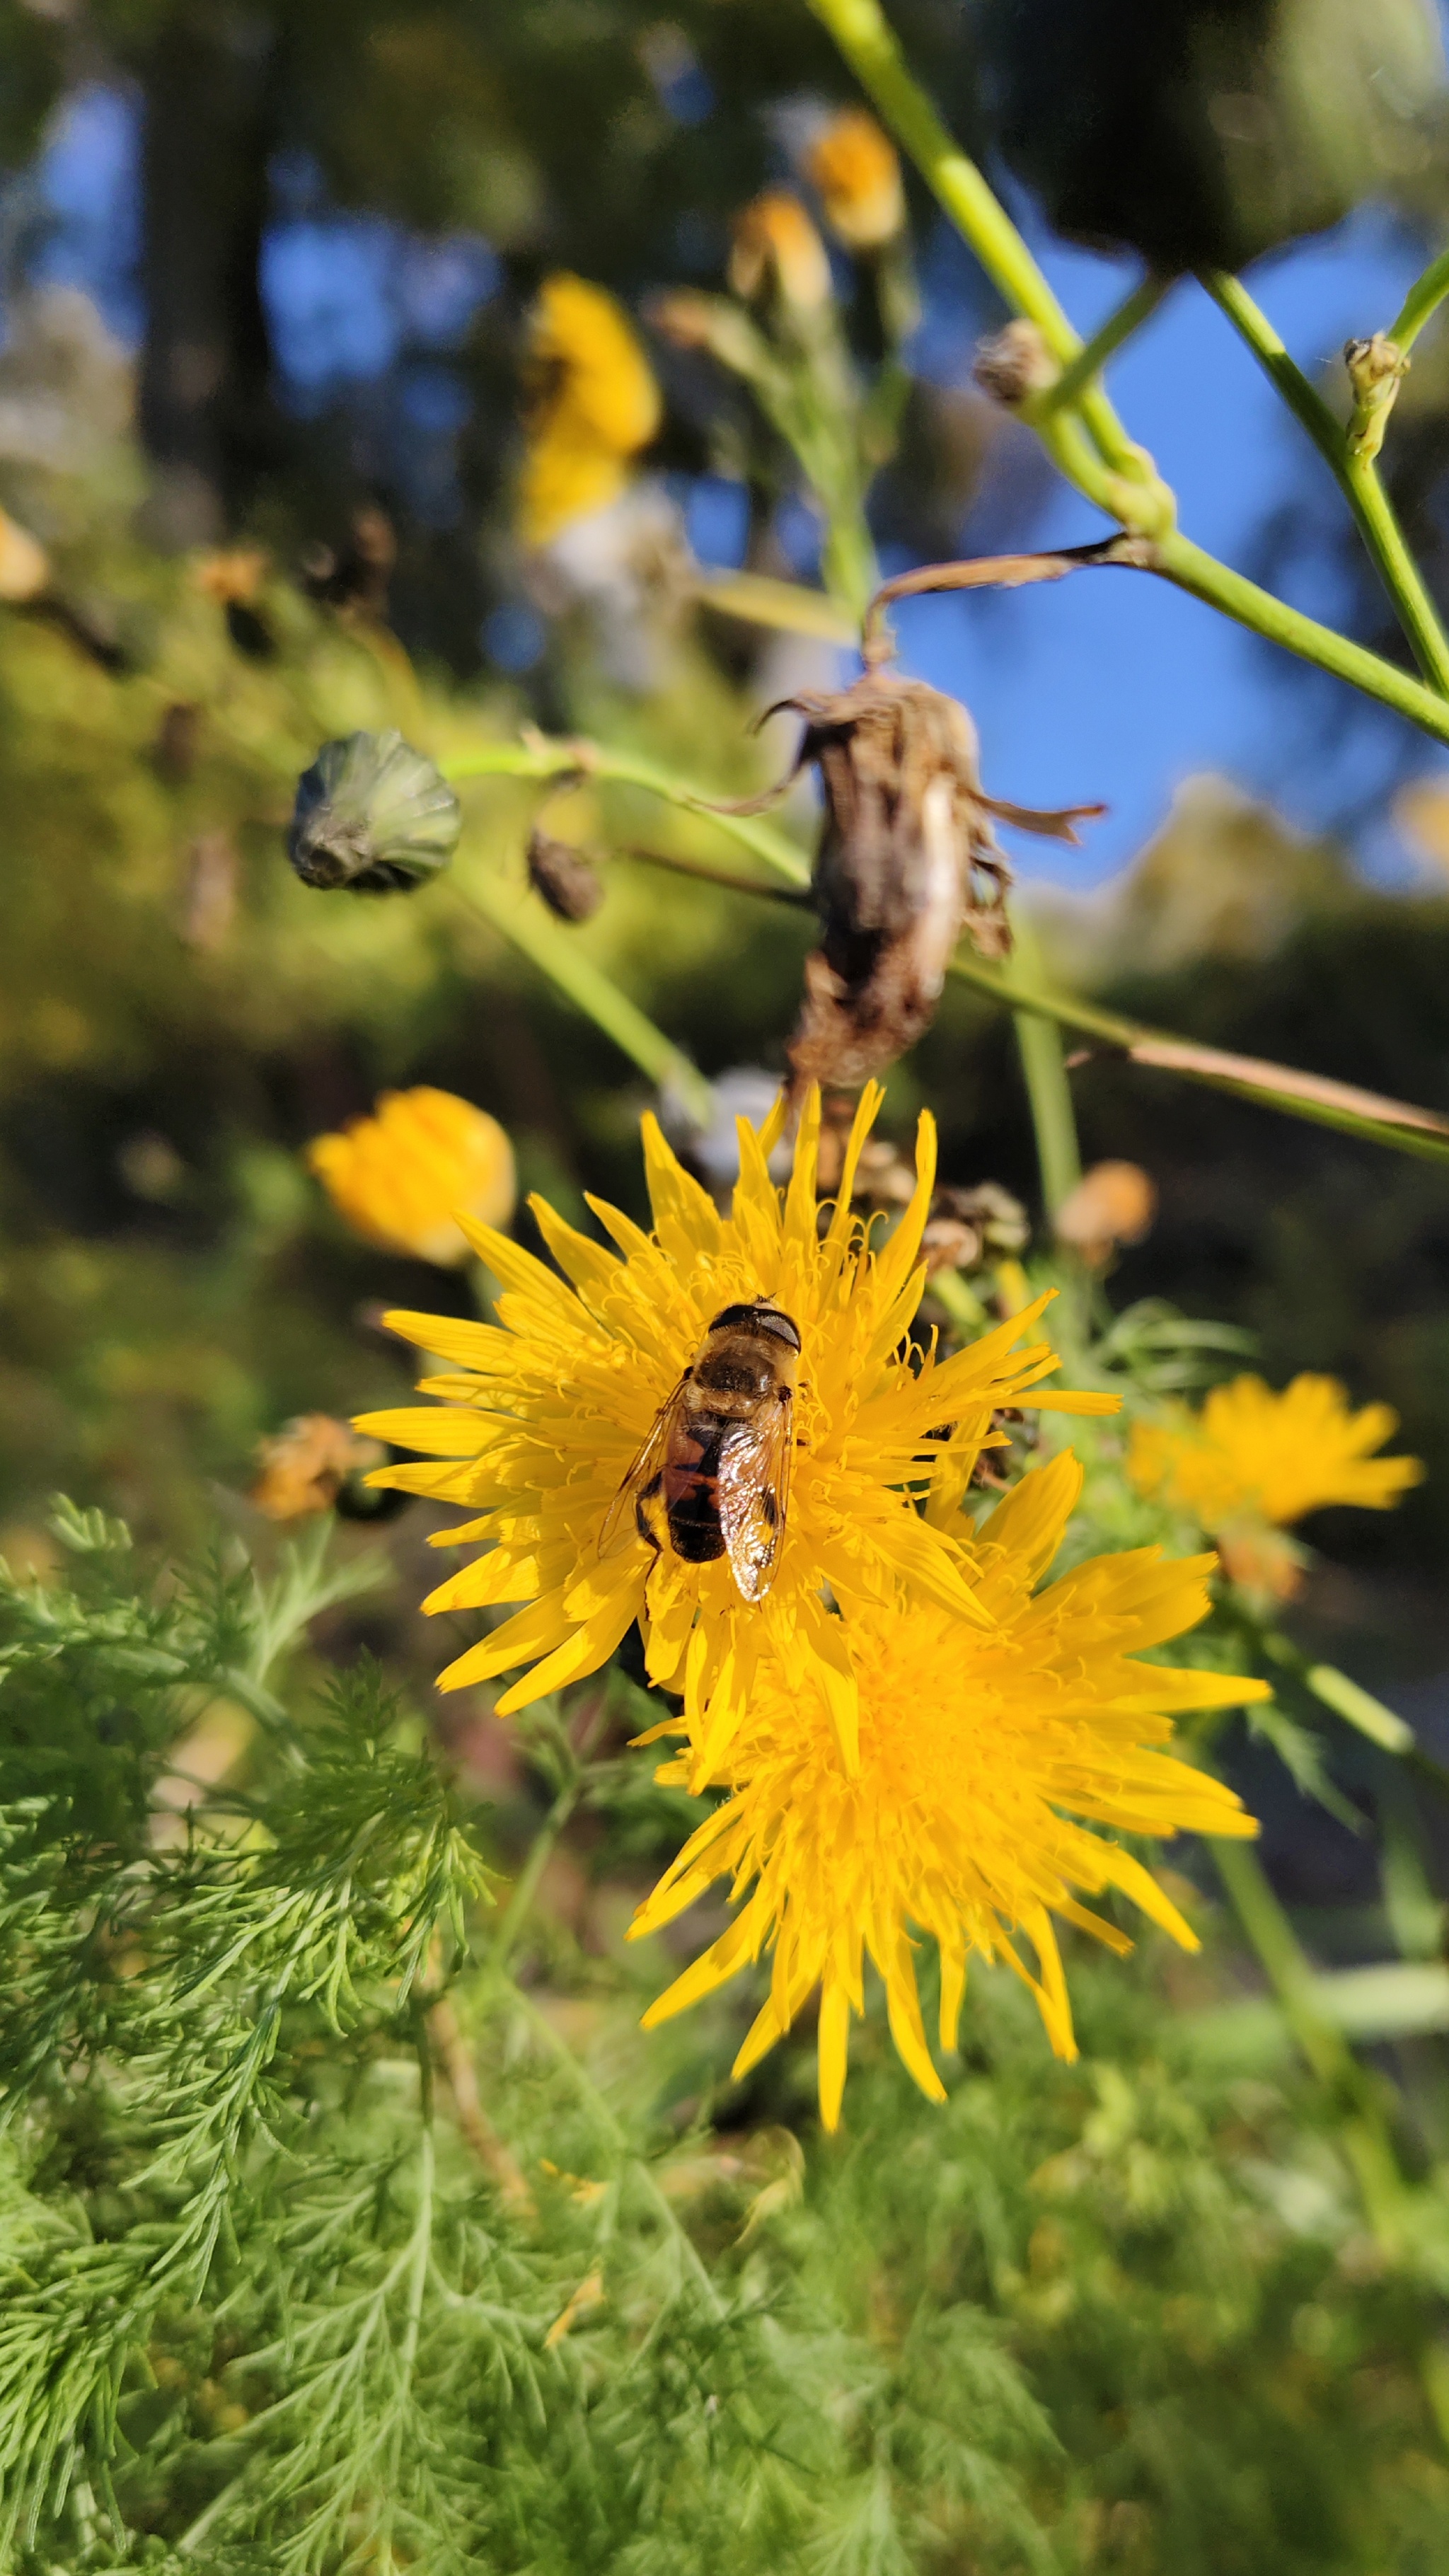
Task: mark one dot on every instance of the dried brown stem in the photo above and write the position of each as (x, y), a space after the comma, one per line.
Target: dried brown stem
(995, 572)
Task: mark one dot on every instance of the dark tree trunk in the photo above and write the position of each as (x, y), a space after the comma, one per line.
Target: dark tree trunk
(206, 410)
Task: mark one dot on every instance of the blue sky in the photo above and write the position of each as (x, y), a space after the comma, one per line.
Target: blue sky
(1108, 686)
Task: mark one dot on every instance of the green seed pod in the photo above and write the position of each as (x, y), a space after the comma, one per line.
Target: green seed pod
(373, 815)
(1205, 132)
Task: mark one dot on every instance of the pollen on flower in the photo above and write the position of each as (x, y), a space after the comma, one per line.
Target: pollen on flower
(544, 1415)
(407, 1176)
(996, 1763)
(1274, 1458)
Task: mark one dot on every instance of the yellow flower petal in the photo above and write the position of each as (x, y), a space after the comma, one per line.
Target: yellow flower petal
(993, 1771)
(550, 1405)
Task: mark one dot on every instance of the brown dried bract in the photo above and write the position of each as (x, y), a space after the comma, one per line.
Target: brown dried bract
(565, 877)
(907, 861)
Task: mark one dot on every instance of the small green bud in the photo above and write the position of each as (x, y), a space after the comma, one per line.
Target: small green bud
(373, 815)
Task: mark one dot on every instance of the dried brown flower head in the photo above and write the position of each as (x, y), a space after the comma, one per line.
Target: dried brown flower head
(1014, 363)
(968, 1227)
(303, 1466)
(907, 860)
(1113, 1203)
(566, 878)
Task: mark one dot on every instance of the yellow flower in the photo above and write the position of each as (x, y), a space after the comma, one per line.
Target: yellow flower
(304, 1466)
(556, 1401)
(855, 168)
(598, 406)
(776, 245)
(1251, 1453)
(410, 1175)
(987, 1756)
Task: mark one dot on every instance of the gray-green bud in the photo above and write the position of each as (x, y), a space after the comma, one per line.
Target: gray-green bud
(372, 815)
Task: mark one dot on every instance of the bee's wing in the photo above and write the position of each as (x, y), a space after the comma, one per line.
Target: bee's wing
(754, 1496)
(620, 1525)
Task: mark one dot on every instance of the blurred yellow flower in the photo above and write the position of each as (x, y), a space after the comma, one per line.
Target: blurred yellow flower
(990, 1758)
(406, 1176)
(304, 1466)
(552, 1405)
(597, 405)
(776, 246)
(855, 168)
(1251, 1453)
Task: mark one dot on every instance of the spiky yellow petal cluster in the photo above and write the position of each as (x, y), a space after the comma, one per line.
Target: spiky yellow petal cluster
(552, 1405)
(856, 169)
(599, 406)
(1251, 1453)
(404, 1177)
(991, 1760)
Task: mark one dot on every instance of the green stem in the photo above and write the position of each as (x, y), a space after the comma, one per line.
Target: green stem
(865, 40)
(1364, 2133)
(1038, 1038)
(1356, 474)
(1349, 1701)
(863, 36)
(1195, 571)
(594, 2102)
(521, 919)
(1423, 299)
(1417, 1133)
(1127, 1034)
(1087, 365)
(525, 1886)
(541, 759)
(796, 897)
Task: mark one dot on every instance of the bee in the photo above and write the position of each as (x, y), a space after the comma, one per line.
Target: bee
(716, 1465)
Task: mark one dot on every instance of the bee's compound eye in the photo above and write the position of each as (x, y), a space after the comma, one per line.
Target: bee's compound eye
(759, 1316)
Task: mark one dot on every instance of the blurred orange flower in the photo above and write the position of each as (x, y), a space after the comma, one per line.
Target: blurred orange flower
(855, 168)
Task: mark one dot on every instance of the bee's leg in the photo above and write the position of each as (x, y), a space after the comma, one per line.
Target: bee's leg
(641, 1523)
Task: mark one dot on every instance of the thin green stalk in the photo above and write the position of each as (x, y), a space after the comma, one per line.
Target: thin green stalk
(1363, 2131)
(1220, 1073)
(1325, 1104)
(1194, 570)
(867, 44)
(525, 1886)
(1053, 1117)
(542, 759)
(613, 2128)
(1356, 474)
(522, 920)
(1087, 365)
(1423, 299)
(861, 32)
(675, 865)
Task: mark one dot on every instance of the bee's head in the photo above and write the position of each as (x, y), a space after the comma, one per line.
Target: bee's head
(758, 1317)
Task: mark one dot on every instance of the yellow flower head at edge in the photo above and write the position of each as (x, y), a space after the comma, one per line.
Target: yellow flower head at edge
(987, 1757)
(538, 1427)
(406, 1177)
(1274, 1457)
(598, 405)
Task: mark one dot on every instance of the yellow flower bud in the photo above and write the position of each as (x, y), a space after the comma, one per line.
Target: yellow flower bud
(855, 168)
(403, 1177)
(777, 248)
